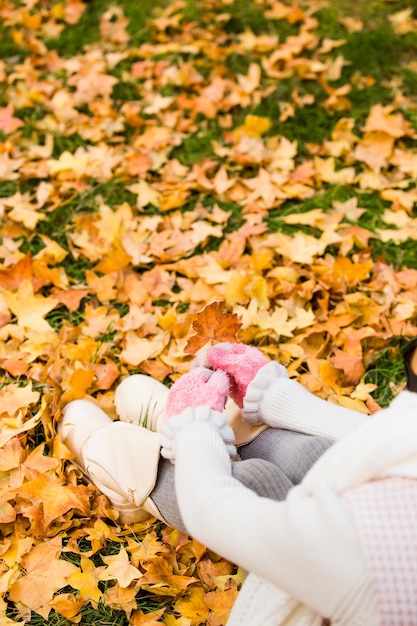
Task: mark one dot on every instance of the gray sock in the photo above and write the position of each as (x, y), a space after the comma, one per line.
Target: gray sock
(262, 477)
(293, 453)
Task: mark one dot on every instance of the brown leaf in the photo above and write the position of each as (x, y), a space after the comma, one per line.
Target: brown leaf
(207, 570)
(212, 325)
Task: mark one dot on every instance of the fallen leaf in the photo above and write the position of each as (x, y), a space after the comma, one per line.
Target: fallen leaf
(30, 309)
(53, 498)
(86, 582)
(45, 574)
(120, 569)
(212, 325)
(9, 123)
(14, 398)
(68, 605)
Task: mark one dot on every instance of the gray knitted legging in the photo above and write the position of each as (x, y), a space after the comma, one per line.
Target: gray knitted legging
(270, 465)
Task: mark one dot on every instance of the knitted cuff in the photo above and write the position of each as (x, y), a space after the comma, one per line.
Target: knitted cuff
(172, 429)
(256, 389)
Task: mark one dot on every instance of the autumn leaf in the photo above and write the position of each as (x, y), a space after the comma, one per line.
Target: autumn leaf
(68, 605)
(212, 325)
(160, 578)
(122, 598)
(351, 365)
(45, 574)
(12, 277)
(141, 191)
(193, 605)
(86, 581)
(151, 618)
(9, 123)
(80, 381)
(29, 308)
(52, 499)
(120, 569)
(14, 398)
(70, 298)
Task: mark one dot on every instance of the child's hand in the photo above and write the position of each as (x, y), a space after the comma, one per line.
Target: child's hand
(199, 387)
(239, 361)
(182, 424)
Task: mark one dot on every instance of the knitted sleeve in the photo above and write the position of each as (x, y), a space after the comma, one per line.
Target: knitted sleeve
(280, 402)
(307, 545)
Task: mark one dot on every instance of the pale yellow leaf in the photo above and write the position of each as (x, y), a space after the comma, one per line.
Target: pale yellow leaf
(120, 569)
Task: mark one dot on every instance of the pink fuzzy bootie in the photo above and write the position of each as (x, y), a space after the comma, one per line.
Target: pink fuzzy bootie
(199, 387)
(240, 362)
(198, 396)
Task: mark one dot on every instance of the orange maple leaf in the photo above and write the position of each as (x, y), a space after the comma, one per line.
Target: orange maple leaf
(212, 325)
(45, 574)
(12, 277)
(9, 123)
(53, 498)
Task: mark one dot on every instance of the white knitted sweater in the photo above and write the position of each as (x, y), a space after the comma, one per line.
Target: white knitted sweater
(304, 554)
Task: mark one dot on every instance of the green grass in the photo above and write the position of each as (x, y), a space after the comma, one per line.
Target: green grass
(386, 370)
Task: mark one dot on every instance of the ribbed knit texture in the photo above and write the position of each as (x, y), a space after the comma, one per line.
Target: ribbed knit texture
(293, 452)
(287, 404)
(308, 546)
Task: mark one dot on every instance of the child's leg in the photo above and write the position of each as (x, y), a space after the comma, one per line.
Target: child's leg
(293, 453)
(123, 461)
(262, 477)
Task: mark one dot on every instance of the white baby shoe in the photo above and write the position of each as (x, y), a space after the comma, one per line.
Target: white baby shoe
(141, 400)
(120, 458)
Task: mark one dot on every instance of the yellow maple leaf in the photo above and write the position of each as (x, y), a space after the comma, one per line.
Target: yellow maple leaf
(79, 382)
(69, 165)
(145, 194)
(86, 581)
(220, 604)
(26, 215)
(14, 397)
(255, 126)
(29, 308)
(122, 598)
(139, 618)
(120, 569)
(139, 349)
(193, 605)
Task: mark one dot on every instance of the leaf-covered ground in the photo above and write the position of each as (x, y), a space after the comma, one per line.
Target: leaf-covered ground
(155, 158)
